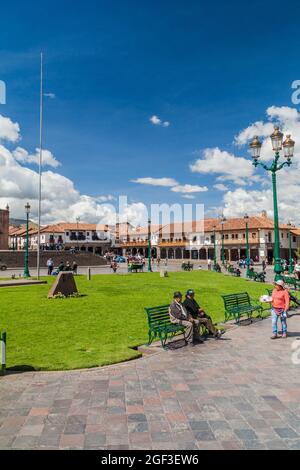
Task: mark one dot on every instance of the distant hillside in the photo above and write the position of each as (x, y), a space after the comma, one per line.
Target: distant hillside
(19, 222)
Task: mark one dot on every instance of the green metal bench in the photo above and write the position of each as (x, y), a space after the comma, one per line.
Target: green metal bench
(292, 281)
(257, 277)
(238, 305)
(135, 267)
(160, 325)
(3, 352)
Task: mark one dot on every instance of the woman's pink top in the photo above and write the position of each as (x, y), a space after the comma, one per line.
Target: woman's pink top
(280, 299)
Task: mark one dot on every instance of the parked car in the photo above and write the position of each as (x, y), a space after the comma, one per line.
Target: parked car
(3, 267)
(120, 259)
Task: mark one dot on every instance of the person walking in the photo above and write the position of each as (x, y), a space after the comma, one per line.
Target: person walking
(280, 307)
(264, 265)
(50, 266)
(209, 264)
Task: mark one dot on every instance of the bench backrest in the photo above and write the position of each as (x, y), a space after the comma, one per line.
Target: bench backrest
(232, 301)
(289, 280)
(158, 315)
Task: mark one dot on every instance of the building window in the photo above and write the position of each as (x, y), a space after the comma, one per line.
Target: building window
(270, 237)
(244, 236)
(226, 236)
(232, 236)
(88, 234)
(253, 235)
(67, 233)
(294, 239)
(236, 235)
(281, 235)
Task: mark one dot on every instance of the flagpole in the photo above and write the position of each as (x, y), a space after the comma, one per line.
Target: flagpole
(40, 171)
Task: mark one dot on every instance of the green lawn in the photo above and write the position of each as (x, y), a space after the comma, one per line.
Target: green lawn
(103, 325)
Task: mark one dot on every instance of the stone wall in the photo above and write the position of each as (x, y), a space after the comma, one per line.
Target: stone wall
(15, 259)
(4, 226)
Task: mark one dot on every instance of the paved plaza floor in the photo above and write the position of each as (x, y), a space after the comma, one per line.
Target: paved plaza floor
(241, 392)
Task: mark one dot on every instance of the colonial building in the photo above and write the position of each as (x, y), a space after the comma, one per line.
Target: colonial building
(82, 237)
(4, 228)
(195, 241)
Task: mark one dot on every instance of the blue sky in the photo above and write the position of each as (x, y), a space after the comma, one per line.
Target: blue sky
(210, 69)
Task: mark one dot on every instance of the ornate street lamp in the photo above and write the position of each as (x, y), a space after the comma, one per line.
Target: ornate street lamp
(215, 249)
(223, 220)
(149, 246)
(77, 237)
(246, 217)
(26, 269)
(291, 269)
(277, 144)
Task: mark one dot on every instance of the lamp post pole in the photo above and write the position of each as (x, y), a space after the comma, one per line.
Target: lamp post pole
(223, 220)
(288, 146)
(246, 217)
(26, 273)
(215, 250)
(149, 246)
(290, 249)
(77, 221)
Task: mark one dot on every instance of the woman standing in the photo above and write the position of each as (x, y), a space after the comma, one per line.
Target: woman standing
(280, 307)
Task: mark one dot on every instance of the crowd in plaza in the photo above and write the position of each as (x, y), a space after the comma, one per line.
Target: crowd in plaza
(52, 271)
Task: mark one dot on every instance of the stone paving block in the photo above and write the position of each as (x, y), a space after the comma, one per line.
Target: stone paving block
(161, 437)
(6, 442)
(245, 434)
(286, 433)
(31, 430)
(95, 439)
(25, 443)
(293, 444)
(204, 435)
(276, 444)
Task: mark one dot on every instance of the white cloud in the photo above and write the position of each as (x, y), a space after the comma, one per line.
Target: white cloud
(48, 159)
(9, 130)
(259, 128)
(61, 201)
(230, 167)
(283, 114)
(188, 196)
(221, 187)
(239, 201)
(156, 181)
(188, 188)
(156, 121)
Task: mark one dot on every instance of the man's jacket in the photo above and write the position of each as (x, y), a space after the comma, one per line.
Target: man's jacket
(191, 307)
(177, 311)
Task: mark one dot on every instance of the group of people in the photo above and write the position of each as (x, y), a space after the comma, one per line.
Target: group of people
(295, 268)
(189, 314)
(61, 267)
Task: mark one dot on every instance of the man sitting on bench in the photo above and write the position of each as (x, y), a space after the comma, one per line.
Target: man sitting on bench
(196, 312)
(178, 314)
